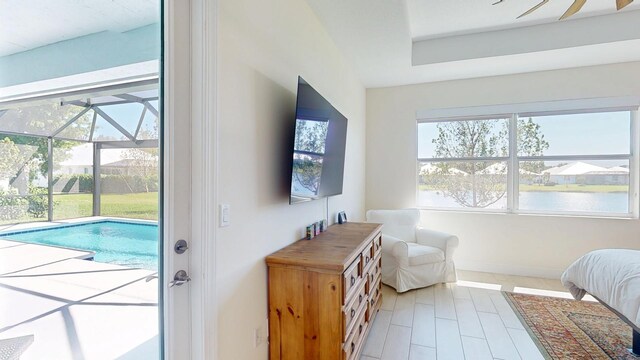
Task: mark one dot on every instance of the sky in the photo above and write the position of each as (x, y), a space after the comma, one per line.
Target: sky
(127, 115)
(579, 134)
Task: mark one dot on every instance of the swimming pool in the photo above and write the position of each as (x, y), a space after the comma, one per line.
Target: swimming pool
(115, 242)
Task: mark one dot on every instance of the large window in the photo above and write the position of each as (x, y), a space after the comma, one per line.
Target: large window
(533, 163)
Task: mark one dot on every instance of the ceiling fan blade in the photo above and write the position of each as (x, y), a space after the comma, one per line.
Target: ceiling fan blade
(622, 3)
(534, 8)
(574, 8)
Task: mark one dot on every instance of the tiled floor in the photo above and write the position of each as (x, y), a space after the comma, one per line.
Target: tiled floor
(467, 320)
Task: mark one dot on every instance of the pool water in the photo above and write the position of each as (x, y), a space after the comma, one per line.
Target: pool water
(115, 242)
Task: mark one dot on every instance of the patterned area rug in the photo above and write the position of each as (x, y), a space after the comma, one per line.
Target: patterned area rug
(569, 329)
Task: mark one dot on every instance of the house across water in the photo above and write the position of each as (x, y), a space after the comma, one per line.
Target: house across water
(587, 174)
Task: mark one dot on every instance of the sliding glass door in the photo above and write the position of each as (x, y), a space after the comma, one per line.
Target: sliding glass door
(92, 197)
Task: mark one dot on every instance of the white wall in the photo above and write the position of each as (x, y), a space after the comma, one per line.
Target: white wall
(516, 244)
(263, 47)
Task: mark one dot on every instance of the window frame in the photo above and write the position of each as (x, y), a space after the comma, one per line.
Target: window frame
(513, 161)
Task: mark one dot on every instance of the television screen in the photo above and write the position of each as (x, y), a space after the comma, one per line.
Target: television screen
(318, 147)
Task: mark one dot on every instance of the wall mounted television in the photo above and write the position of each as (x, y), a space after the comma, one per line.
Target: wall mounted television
(318, 147)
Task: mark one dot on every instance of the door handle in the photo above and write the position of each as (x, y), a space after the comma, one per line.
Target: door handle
(179, 279)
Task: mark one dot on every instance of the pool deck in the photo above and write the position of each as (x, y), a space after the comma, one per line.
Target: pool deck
(75, 308)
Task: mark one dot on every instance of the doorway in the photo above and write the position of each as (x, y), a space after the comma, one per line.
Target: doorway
(85, 265)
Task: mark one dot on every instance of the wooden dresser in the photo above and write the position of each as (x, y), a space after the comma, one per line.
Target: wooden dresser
(324, 293)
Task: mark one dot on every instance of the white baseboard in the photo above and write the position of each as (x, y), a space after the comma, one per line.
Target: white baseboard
(510, 269)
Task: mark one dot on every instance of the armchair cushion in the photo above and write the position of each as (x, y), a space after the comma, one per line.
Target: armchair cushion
(400, 224)
(422, 254)
(443, 241)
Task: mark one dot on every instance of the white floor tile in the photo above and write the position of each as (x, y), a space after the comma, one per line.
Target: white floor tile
(468, 320)
(376, 338)
(482, 300)
(425, 295)
(445, 308)
(389, 296)
(403, 311)
(460, 292)
(448, 343)
(424, 326)
(396, 347)
(476, 349)
(422, 353)
(505, 311)
(497, 337)
(525, 345)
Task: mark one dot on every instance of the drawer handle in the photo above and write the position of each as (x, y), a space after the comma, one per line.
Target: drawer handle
(353, 313)
(353, 347)
(366, 260)
(353, 280)
(360, 329)
(360, 298)
(372, 302)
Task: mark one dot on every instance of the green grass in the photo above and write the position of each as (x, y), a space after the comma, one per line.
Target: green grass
(561, 188)
(134, 206)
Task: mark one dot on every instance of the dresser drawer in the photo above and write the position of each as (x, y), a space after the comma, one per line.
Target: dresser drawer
(367, 256)
(374, 272)
(356, 337)
(374, 305)
(352, 310)
(351, 279)
(377, 245)
(374, 296)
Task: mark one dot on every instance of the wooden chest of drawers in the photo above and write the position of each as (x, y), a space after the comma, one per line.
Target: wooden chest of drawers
(324, 293)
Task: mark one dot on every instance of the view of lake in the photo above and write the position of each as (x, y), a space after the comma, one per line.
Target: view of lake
(593, 202)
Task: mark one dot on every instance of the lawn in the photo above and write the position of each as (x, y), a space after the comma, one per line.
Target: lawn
(134, 206)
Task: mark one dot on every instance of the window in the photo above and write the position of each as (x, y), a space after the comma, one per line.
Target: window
(579, 163)
(463, 164)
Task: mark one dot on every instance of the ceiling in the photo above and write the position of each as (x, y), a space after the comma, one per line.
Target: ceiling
(439, 18)
(380, 37)
(27, 24)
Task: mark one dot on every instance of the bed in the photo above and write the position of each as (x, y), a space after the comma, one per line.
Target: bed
(612, 276)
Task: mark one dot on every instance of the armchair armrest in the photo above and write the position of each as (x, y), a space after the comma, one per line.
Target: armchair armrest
(394, 246)
(443, 241)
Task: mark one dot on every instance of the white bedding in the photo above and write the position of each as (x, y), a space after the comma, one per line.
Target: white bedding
(611, 275)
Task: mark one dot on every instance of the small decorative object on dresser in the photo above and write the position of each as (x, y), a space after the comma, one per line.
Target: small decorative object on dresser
(311, 232)
(342, 217)
(324, 294)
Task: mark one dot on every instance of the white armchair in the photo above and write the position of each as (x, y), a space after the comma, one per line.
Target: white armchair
(413, 257)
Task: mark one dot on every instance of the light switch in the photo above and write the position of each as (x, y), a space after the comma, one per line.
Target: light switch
(225, 215)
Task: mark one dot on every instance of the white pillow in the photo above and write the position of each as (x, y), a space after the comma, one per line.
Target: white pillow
(397, 223)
